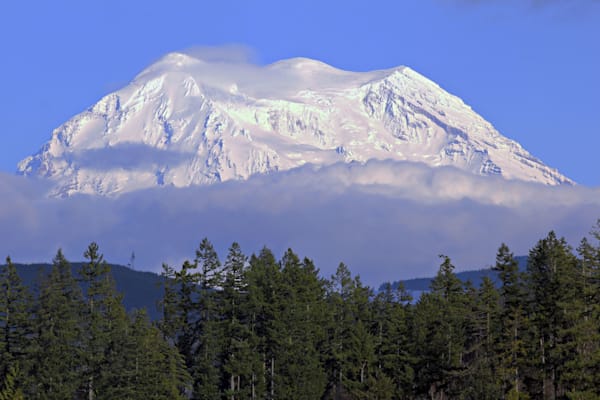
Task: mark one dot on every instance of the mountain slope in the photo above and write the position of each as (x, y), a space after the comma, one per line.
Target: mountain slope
(184, 121)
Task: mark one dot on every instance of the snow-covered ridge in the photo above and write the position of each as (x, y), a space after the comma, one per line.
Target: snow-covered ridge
(184, 121)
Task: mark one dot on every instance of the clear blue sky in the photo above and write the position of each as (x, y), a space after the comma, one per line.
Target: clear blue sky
(531, 67)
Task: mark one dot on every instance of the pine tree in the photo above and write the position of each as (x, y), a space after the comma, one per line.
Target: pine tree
(9, 390)
(551, 272)
(117, 371)
(187, 280)
(157, 370)
(180, 309)
(237, 356)
(510, 348)
(337, 352)
(205, 371)
(15, 324)
(581, 369)
(100, 300)
(391, 331)
(350, 352)
(481, 379)
(301, 375)
(170, 323)
(440, 334)
(58, 354)
(264, 279)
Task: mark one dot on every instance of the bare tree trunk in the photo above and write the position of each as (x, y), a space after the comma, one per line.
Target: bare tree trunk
(91, 388)
(544, 379)
(272, 378)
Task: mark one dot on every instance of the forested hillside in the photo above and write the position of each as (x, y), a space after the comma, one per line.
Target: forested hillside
(141, 290)
(261, 328)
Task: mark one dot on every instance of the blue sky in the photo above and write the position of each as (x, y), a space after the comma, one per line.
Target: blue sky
(529, 67)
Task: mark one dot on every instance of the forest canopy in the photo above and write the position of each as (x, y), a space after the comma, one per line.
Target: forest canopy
(258, 327)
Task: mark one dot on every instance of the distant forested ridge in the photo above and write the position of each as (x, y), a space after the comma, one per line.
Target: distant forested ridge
(140, 290)
(258, 327)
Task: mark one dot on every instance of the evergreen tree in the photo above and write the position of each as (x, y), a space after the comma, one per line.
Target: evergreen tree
(100, 299)
(205, 371)
(157, 369)
(180, 309)
(301, 375)
(187, 311)
(510, 348)
(350, 354)
(237, 356)
(391, 331)
(116, 378)
(58, 353)
(15, 324)
(481, 379)
(10, 390)
(551, 272)
(337, 359)
(170, 324)
(440, 335)
(265, 295)
(581, 370)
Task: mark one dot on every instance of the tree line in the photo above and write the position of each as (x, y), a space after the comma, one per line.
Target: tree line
(264, 328)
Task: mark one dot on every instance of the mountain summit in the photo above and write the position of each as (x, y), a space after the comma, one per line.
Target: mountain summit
(184, 121)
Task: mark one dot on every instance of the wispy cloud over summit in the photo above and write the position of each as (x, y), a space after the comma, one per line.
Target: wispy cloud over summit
(231, 53)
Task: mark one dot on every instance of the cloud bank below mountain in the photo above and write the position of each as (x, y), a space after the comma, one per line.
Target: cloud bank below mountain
(387, 220)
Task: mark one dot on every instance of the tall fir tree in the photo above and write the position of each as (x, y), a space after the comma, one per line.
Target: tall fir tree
(551, 272)
(16, 308)
(58, 357)
(350, 353)
(481, 378)
(237, 356)
(157, 369)
(394, 360)
(440, 334)
(510, 348)
(100, 298)
(205, 370)
(300, 375)
(581, 353)
(264, 278)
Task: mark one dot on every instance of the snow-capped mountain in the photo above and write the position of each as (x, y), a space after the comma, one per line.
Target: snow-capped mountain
(184, 121)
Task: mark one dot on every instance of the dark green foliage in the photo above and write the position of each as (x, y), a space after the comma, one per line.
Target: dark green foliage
(15, 325)
(59, 335)
(482, 376)
(418, 285)
(262, 328)
(9, 389)
(205, 369)
(75, 340)
(300, 374)
(394, 372)
(552, 272)
(440, 321)
(140, 289)
(237, 358)
(264, 298)
(100, 307)
(510, 348)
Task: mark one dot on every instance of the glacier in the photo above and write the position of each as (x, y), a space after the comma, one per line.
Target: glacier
(184, 121)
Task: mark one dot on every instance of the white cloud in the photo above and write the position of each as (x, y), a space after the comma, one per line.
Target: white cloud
(387, 220)
(231, 53)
